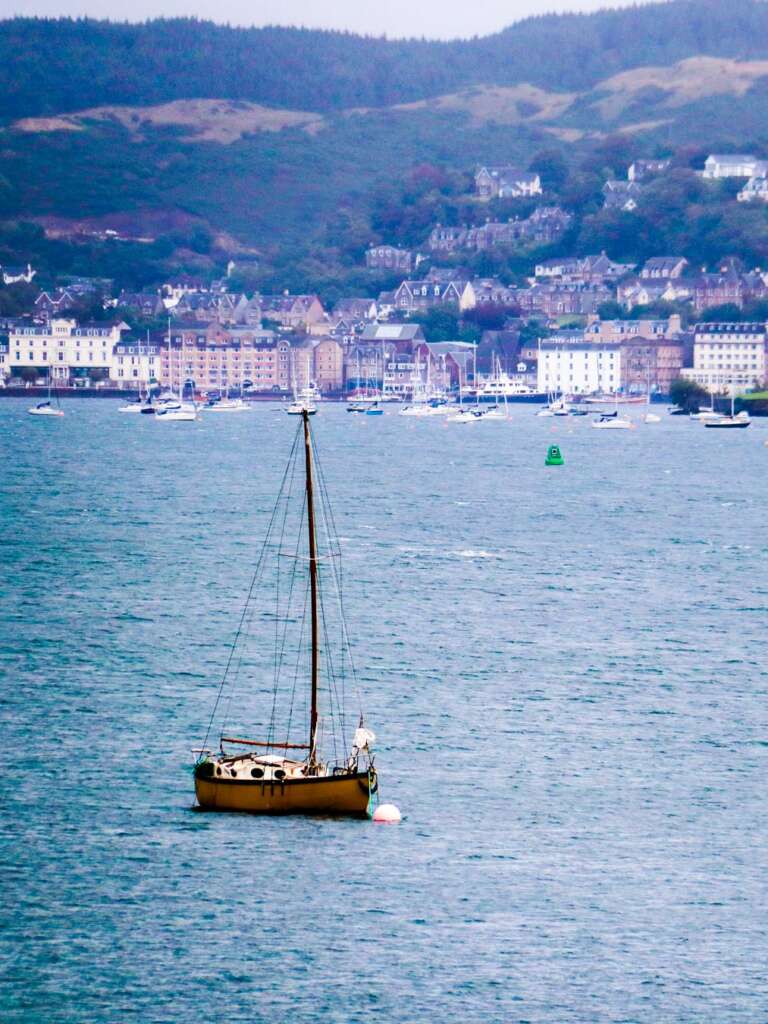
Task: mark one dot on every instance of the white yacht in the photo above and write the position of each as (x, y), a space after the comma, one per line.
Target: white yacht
(501, 385)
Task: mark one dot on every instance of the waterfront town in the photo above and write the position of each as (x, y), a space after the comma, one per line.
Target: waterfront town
(576, 325)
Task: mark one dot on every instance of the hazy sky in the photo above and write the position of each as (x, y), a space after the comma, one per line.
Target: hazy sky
(432, 18)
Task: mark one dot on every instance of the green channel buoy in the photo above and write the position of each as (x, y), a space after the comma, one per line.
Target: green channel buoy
(554, 456)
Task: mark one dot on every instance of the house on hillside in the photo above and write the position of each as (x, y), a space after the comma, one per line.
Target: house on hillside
(184, 284)
(545, 225)
(486, 291)
(733, 165)
(143, 304)
(665, 267)
(55, 302)
(645, 291)
(422, 295)
(598, 330)
(621, 195)
(211, 307)
(755, 188)
(506, 182)
(593, 269)
(447, 239)
(643, 170)
(717, 290)
(562, 298)
(389, 257)
(356, 310)
(291, 311)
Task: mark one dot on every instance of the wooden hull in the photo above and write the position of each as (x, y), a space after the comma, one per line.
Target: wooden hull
(333, 795)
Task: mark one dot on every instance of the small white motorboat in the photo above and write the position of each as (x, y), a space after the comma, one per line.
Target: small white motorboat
(651, 417)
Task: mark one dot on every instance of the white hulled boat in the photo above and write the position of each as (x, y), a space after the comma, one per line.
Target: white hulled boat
(47, 408)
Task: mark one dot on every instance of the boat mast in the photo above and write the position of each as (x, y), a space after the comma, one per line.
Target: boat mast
(312, 587)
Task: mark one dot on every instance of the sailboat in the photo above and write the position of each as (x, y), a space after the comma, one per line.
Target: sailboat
(47, 408)
(612, 420)
(274, 776)
(305, 399)
(227, 404)
(707, 414)
(174, 409)
(732, 422)
(496, 412)
(142, 404)
(470, 413)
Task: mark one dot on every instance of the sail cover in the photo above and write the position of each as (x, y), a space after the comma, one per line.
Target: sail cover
(362, 738)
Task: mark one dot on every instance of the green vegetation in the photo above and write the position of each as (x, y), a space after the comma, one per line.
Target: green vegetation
(687, 394)
(311, 202)
(50, 66)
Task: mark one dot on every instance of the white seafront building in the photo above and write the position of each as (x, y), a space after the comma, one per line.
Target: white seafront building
(569, 364)
(64, 347)
(727, 356)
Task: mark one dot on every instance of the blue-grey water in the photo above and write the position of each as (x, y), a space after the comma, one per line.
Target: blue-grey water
(565, 668)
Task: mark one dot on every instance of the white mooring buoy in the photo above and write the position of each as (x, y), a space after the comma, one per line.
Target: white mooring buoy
(388, 814)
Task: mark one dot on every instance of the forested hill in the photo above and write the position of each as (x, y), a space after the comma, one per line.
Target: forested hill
(51, 66)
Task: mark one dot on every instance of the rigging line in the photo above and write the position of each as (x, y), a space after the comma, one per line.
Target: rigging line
(250, 609)
(288, 502)
(299, 652)
(247, 602)
(333, 693)
(329, 509)
(336, 693)
(280, 654)
(338, 581)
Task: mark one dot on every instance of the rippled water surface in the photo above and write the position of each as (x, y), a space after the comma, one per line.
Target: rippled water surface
(565, 668)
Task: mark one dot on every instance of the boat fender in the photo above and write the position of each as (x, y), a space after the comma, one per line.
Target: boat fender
(279, 773)
(233, 773)
(257, 773)
(204, 770)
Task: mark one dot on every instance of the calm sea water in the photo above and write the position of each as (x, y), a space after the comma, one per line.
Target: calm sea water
(565, 669)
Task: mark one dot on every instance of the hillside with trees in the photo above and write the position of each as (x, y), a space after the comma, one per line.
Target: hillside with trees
(327, 142)
(52, 66)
